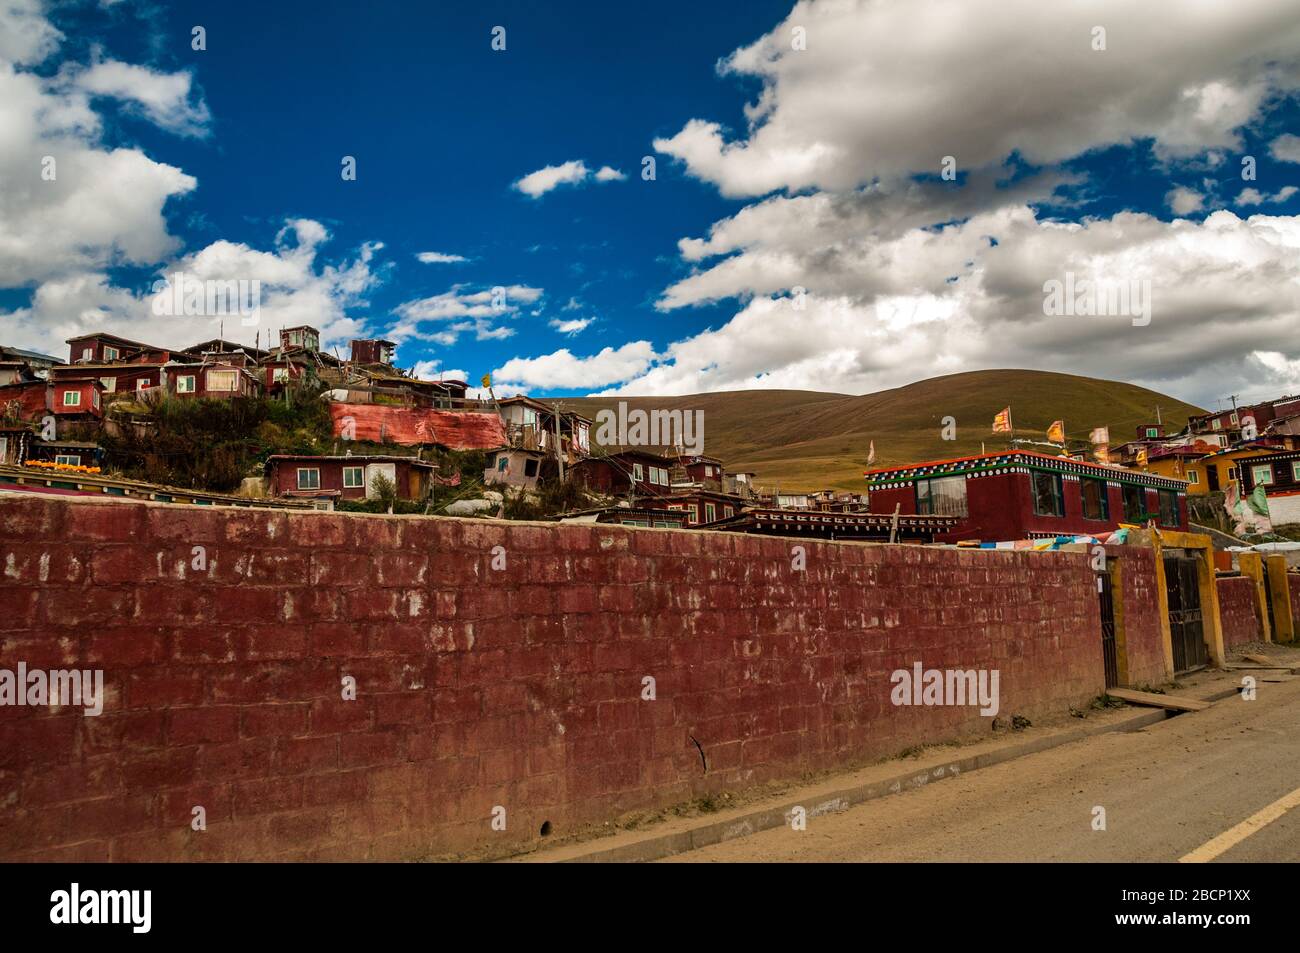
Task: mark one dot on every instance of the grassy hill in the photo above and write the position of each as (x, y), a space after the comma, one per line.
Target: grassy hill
(805, 440)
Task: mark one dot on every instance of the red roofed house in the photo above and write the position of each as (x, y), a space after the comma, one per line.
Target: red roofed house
(1021, 495)
(346, 477)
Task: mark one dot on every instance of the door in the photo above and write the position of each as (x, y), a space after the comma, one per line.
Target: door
(1109, 649)
(1186, 626)
(387, 470)
(1212, 478)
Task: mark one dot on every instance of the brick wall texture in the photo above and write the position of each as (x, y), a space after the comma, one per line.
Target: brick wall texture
(476, 687)
(1140, 620)
(1237, 610)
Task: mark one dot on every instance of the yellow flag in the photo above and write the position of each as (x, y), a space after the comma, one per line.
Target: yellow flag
(1142, 457)
(1056, 432)
(1002, 422)
(487, 380)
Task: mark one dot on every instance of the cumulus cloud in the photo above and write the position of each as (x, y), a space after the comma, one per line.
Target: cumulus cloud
(163, 98)
(94, 206)
(26, 37)
(1184, 201)
(561, 370)
(296, 287)
(575, 172)
(1285, 148)
(571, 326)
(439, 258)
(971, 295)
(1250, 196)
(833, 117)
(459, 310)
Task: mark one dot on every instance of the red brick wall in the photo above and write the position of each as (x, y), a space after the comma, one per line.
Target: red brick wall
(1237, 610)
(476, 687)
(1143, 636)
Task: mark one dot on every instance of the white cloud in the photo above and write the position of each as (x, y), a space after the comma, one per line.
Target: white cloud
(561, 370)
(103, 206)
(834, 117)
(1285, 148)
(970, 295)
(1184, 201)
(296, 288)
(163, 98)
(1250, 196)
(575, 172)
(439, 258)
(26, 37)
(483, 307)
(572, 326)
(433, 370)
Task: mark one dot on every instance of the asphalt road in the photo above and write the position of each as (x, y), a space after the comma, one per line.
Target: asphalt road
(1168, 790)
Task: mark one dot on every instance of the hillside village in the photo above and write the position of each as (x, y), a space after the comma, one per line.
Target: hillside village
(296, 426)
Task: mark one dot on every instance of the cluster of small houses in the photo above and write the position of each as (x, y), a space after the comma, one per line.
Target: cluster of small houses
(1014, 497)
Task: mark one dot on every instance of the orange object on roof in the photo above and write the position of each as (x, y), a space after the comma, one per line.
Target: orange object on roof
(409, 426)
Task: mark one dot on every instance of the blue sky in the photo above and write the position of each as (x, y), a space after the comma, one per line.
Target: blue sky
(830, 184)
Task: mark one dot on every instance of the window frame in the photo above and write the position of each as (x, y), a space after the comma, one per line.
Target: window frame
(76, 398)
(1170, 496)
(111, 353)
(1254, 474)
(222, 373)
(1141, 491)
(361, 485)
(1058, 492)
(181, 380)
(925, 503)
(638, 473)
(1103, 499)
(302, 470)
(67, 459)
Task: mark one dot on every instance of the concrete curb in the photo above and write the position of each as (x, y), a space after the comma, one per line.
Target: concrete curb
(764, 819)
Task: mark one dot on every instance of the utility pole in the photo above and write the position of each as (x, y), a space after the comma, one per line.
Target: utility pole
(1159, 422)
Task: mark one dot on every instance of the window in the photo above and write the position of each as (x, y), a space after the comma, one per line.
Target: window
(1216, 424)
(710, 512)
(1135, 503)
(637, 473)
(308, 478)
(354, 478)
(67, 459)
(945, 496)
(1194, 477)
(1234, 419)
(695, 512)
(223, 381)
(110, 383)
(1095, 504)
(1048, 500)
(728, 512)
(185, 385)
(1168, 508)
(110, 353)
(1153, 432)
(1295, 471)
(502, 464)
(142, 384)
(279, 375)
(1262, 475)
(71, 398)
(530, 468)
(88, 354)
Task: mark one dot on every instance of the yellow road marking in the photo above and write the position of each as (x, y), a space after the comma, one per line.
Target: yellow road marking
(1235, 835)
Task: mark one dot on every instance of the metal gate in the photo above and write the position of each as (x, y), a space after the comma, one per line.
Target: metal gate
(1109, 650)
(1186, 627)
